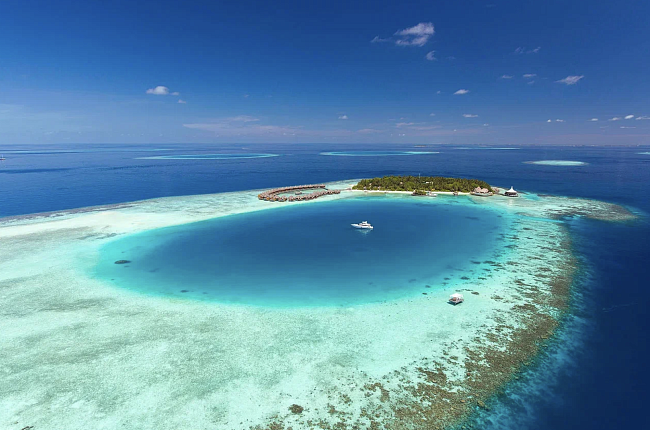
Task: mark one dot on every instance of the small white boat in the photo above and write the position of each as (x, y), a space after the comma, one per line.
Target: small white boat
(431, 194)
(364, 225)
(456, 298)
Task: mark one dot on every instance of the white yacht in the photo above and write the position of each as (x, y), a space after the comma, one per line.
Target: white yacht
(364, 225)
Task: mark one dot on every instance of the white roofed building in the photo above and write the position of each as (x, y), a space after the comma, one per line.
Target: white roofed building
(511, 193)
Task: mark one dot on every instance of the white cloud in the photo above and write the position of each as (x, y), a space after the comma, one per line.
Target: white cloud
(378, 39)
(642, 117)
(246, 96)
(425, 128)
(243, 125)
(242, 118)
(430, 56)
(404, 124)
(629, 116)
(433, 114)
(182, 101)
(369, 131)
(626, 127)
(418, 35)
(593, 119)
(530, 75)
(486, 124)
(616, 118)
(506, 76)
(10, 108)
(158, 91)
(176, 93)
(531, 82)
(461, 92)
(469, 115)
(522, 50)
(570, 80)
(438, 92)
(343, 117)
(548, 120)
(559, 120)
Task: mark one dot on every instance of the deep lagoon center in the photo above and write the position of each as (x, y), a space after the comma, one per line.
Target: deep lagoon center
(309, 255)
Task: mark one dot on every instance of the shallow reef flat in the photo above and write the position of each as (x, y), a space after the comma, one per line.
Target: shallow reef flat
(376, 153)
(78, 353)
(565, 163)
(207, 156)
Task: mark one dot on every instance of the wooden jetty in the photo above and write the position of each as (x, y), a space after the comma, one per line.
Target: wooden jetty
(274, 194)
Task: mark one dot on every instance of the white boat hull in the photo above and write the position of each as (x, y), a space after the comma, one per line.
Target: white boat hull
(363, 227)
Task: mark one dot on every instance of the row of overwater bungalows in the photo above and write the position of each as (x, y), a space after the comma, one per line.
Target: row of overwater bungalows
(274, 194)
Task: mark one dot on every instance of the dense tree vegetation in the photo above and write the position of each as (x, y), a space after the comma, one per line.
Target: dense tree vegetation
(426, 183)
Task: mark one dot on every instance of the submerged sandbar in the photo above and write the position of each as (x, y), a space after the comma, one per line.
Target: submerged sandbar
(376, 153)
(567, 163)
(80, 352)
(207, 156)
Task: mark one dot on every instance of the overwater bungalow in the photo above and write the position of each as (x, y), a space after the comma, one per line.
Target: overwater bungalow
(483, 192)
(274, 195)
(456, 298)
(511, 193)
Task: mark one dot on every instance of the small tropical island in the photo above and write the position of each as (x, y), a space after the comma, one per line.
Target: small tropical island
(421, 184)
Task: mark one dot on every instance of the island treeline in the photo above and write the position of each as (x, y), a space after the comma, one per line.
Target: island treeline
(421, 183)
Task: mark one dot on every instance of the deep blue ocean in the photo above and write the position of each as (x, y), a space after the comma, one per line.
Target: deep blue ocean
(593, 377)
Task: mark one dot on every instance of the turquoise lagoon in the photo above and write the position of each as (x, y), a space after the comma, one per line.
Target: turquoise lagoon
(309, 255)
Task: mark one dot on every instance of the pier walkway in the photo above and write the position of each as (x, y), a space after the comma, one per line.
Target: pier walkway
(274, 194)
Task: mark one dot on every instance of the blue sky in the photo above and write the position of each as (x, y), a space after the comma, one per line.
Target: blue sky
(463, 72)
